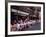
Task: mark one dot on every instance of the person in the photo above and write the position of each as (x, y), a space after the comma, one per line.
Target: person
(13, 25)
(19, 25)
(27, 19)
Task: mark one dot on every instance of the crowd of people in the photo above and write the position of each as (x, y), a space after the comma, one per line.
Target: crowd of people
(22, 24)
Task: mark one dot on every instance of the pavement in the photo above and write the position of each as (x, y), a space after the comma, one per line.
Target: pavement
(36, 26)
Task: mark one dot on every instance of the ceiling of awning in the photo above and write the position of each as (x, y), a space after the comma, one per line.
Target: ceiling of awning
(27, 9)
